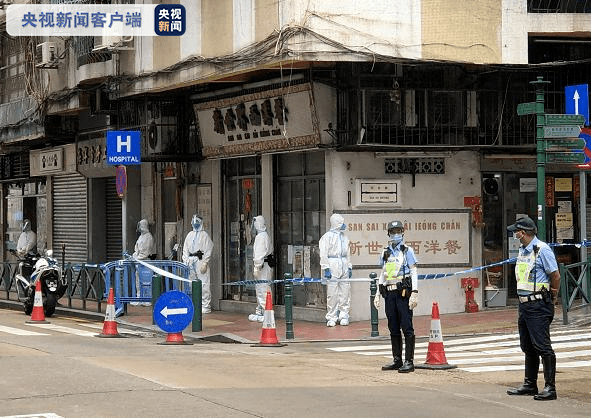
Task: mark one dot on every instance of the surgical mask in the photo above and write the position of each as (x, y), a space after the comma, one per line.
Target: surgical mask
(195, 222)
(396, 238)
(343, 227)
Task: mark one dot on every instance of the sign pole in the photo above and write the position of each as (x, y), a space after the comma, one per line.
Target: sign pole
(540, 157)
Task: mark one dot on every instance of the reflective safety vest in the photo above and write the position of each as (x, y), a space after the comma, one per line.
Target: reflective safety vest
(394, 268)
(525, 274)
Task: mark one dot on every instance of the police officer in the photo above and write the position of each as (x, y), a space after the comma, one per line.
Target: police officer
(536, 272)
(398, 286)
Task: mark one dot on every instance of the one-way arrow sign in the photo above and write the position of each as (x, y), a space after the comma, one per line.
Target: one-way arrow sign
(173, 311)
(577, 100)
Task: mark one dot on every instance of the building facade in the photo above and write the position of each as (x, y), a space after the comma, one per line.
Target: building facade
(288, 110)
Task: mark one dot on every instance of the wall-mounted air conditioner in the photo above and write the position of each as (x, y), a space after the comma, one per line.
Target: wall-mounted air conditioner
(45, 53)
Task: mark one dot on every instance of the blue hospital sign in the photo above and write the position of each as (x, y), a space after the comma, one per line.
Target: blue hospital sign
(123, 148)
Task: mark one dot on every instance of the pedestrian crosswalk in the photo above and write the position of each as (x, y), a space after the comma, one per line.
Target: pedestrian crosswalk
(48, 329)
(493, 353)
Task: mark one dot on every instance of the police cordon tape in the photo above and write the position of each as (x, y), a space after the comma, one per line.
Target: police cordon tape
(304, 280)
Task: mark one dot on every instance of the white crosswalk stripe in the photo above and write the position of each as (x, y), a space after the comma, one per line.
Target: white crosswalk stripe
(493, 352)
(26, 331)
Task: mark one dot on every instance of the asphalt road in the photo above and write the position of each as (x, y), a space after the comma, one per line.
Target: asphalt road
(65, 370)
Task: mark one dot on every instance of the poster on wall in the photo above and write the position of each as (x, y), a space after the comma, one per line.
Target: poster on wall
(437, 238)
(204, 205)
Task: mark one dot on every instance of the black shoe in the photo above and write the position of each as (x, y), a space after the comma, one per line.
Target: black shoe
(547, 394)
(395, 365)
(407, 367)
(527, 388)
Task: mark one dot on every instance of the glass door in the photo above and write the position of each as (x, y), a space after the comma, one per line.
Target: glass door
(242, 202)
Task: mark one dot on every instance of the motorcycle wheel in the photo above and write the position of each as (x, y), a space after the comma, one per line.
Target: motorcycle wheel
(28, 307)
(50, 302)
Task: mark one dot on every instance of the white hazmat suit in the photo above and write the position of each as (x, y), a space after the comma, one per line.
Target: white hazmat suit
(196, 254)
(262, 271)
(143, 250)
(335, 262)
(27, 241)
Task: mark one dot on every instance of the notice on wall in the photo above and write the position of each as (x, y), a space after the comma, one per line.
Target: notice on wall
(565, 206)
(204, 205)
(437, 238)
(564, 226)
(563, 184)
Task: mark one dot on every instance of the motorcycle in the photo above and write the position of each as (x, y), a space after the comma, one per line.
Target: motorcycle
(33, 268)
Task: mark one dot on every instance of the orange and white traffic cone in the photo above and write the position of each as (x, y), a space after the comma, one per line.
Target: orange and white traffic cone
(38, 315)
(435, 353)
(269, 335)
(110, 326)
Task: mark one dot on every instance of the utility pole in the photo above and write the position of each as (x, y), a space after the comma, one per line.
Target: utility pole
(540, 156)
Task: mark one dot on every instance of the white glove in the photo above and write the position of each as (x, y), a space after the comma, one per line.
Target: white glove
(376, 301)
(256, 272)
(203, 268)
(413, 300)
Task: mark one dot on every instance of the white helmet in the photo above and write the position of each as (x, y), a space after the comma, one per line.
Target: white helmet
(41, 263)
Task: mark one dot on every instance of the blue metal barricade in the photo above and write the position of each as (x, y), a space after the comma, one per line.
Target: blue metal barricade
(122, 275)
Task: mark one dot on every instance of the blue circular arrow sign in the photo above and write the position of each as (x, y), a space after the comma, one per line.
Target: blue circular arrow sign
(173, 311)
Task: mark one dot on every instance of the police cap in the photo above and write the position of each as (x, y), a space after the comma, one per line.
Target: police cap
(395, 225)
(525, 223)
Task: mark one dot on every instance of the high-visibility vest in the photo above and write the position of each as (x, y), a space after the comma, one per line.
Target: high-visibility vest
(525, 273)
(394, 268)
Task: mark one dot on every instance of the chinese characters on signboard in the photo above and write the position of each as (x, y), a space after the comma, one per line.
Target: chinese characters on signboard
(437, 238)
(265, 121)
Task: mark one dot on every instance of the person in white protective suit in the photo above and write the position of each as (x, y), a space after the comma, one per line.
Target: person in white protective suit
(27, 241)
(196, 254)
(144, 249)
(335, 262)
(262, 258)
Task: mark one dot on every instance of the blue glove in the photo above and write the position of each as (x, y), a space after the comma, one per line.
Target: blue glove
(327, 273)
(350, 272)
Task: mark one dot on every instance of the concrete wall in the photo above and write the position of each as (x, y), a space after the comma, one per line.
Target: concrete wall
(430, 191)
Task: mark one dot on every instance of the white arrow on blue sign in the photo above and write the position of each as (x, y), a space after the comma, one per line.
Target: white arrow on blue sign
(577, 100)
(123, 147)
(173, 311)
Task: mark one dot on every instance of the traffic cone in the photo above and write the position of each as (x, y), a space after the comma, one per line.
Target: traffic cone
(435, 353)
(110, 326)
(175, 338)
(38, 315)
(268, 335)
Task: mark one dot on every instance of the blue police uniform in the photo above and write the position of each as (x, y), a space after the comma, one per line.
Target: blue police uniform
(535, 262)
(396, 288)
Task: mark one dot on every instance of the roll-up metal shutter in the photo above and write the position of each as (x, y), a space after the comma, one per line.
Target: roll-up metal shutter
(69, 217)
(113, 208)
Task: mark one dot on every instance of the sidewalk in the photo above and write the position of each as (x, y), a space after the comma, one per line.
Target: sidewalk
(235, 327)
(224, 326)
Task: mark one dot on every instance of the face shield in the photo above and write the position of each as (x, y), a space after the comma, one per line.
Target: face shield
(26, 225)
(196, 222)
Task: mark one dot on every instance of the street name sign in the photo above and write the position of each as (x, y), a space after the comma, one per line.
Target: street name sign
(565, 157)
(568, 143)
(173, 311)
(123, 148)
(562, 131)
(561, 120)
(530, 108)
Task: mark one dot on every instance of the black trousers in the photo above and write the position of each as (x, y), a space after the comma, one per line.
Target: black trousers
(534, 327)
(399, 314)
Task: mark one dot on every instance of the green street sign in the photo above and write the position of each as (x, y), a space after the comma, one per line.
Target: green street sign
(565, 157)
(567, 143)
(561, 120)
(562, 131)
(530, 108)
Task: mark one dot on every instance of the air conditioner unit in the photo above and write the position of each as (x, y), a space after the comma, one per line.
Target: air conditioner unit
(45, 53)
(110, 40)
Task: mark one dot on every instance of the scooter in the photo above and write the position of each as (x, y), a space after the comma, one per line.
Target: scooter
(33, 268)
